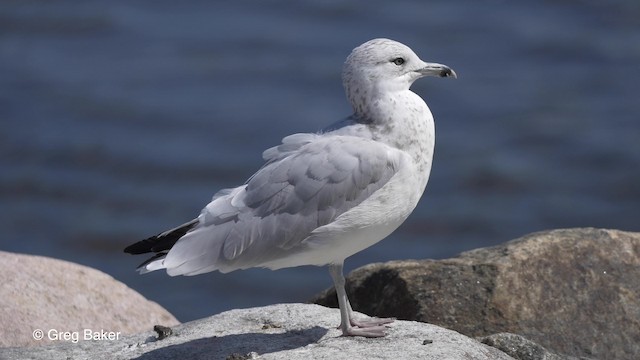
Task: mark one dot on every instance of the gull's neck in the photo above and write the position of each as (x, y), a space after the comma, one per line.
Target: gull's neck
(402, 120)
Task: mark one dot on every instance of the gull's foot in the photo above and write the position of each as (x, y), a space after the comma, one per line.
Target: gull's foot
(371, 322)
(369, 327)
(370, 332)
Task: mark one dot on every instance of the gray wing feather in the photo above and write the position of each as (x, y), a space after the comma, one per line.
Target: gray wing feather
(306, 183)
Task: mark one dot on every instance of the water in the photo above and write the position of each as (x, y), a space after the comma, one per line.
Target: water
(119, 120)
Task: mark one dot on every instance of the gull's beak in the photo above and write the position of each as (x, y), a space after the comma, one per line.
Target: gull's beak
(434, 69)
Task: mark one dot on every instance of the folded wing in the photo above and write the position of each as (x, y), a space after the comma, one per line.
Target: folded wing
(306, 183)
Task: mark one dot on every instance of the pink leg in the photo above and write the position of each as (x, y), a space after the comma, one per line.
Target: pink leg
(351, 327)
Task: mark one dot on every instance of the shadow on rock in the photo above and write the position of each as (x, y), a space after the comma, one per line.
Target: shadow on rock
(241, 344)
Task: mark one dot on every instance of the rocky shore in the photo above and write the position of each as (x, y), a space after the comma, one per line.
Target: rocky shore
(562, 294)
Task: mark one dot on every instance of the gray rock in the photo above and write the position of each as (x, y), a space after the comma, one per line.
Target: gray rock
(521, 348)
(40, 293)
(574, 291)
(286, 331)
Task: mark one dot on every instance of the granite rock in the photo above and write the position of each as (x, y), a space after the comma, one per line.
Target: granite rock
(284, 331)
(521, 348)
(40, 293)
(573, 291)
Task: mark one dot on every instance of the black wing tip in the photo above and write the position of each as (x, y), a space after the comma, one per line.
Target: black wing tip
(142, 247)
(161, 242)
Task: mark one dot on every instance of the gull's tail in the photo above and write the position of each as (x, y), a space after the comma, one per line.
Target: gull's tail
(160, 245)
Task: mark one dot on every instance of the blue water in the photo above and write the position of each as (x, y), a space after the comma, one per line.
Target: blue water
(121, 119)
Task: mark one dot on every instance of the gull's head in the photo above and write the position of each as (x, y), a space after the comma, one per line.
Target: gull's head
(383, 65)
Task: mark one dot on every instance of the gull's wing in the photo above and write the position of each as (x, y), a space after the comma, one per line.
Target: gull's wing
(307, 181)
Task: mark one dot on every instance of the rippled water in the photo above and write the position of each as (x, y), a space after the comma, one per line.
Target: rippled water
(118, 120)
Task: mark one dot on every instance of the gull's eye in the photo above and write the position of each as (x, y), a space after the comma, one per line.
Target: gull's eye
(398, 61)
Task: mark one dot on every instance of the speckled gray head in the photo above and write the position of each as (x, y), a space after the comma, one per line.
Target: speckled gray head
(383, 65)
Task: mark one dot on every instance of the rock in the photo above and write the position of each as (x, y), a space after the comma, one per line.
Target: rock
(285, 331)
(520, 348)
(40, 293)
(575, 291)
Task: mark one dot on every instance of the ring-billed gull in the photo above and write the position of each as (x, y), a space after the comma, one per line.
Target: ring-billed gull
(320, 198)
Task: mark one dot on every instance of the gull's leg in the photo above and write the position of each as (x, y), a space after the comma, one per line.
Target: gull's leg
(345, 308)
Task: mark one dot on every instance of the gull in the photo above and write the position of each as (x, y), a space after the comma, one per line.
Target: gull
(321, 197)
